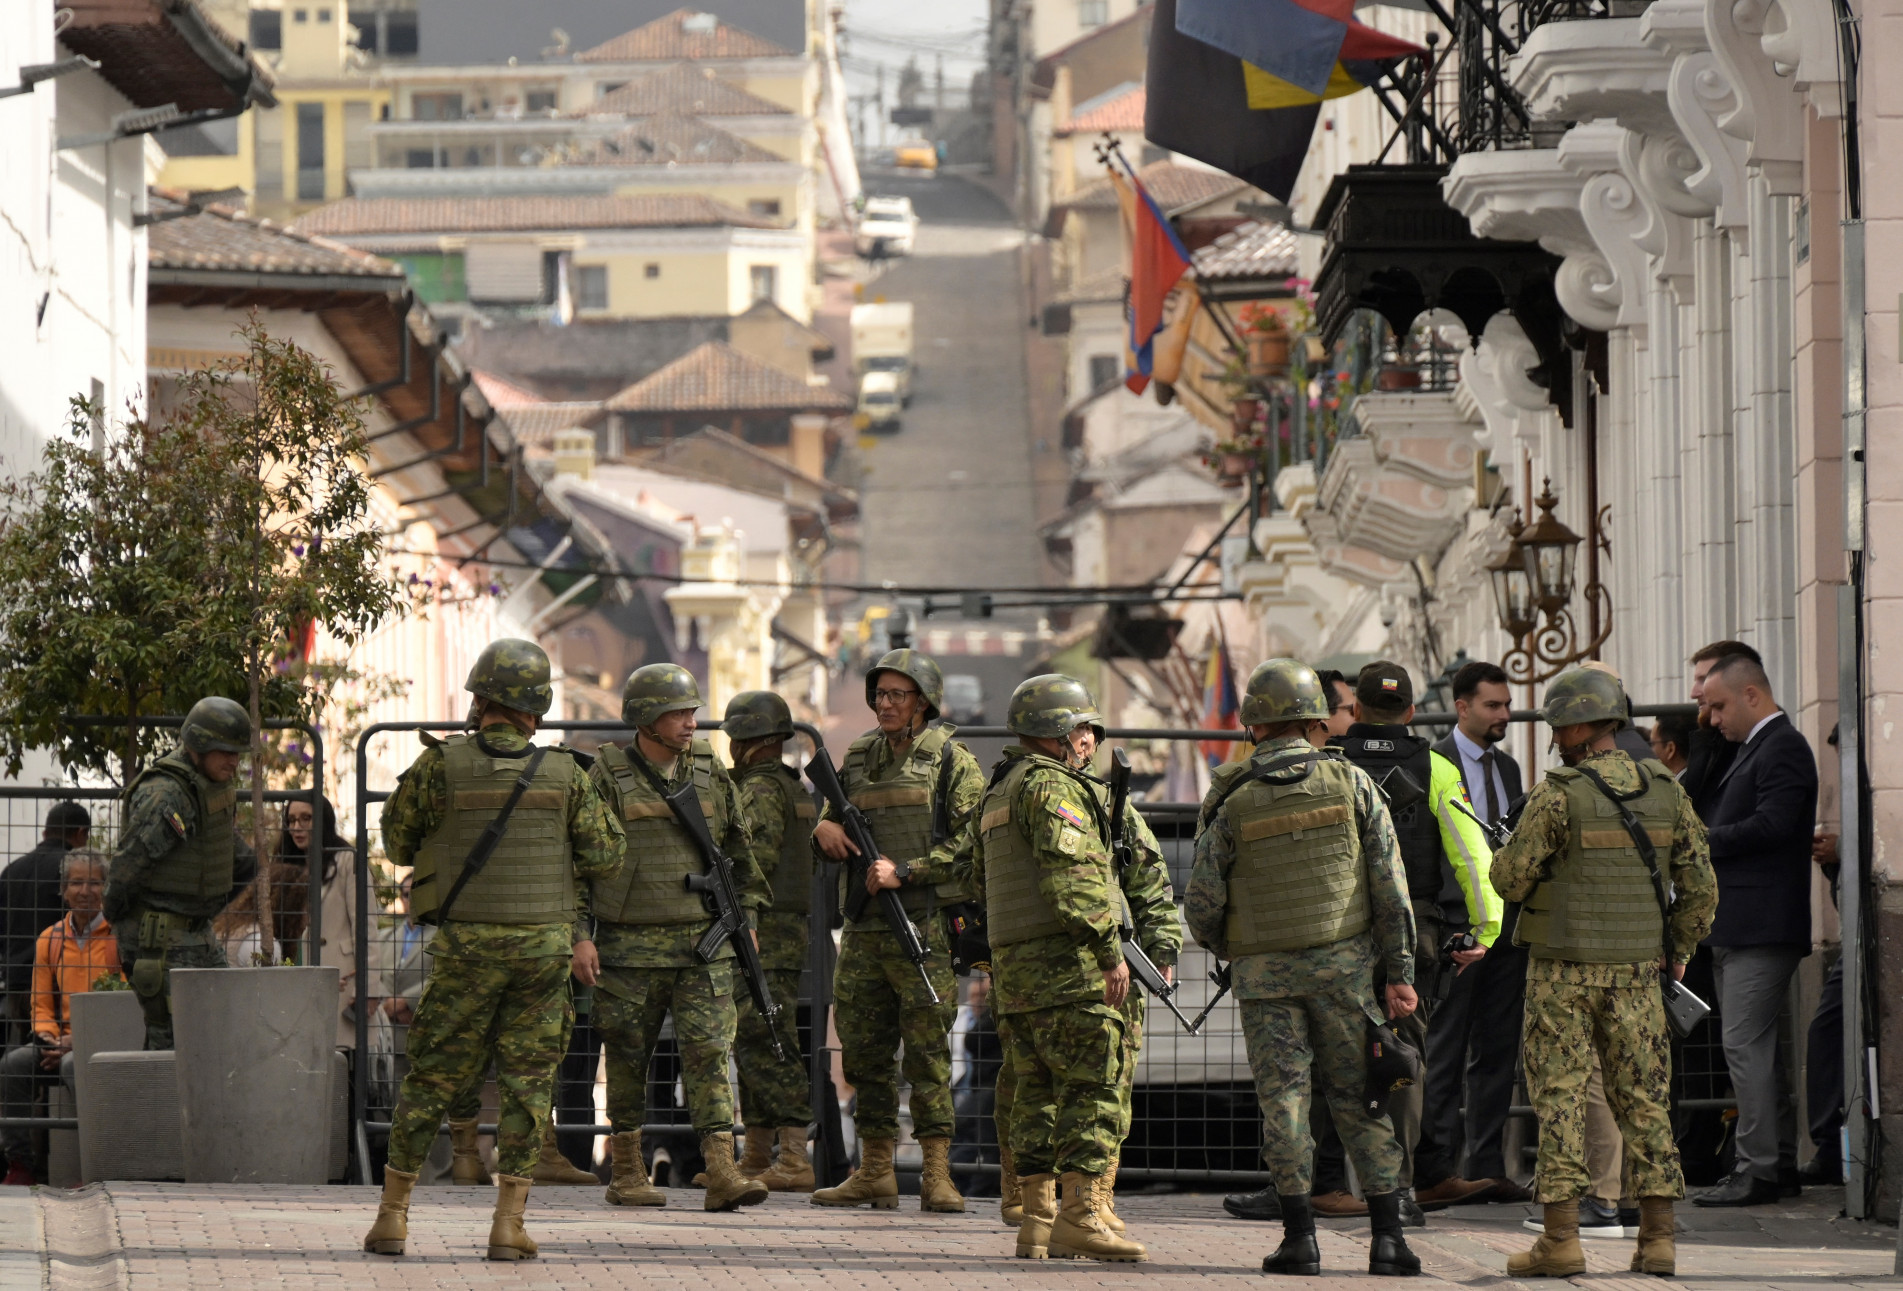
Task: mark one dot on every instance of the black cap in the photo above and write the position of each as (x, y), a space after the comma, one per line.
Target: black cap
(68, 815)
(1393, 1064)
(1384, 686)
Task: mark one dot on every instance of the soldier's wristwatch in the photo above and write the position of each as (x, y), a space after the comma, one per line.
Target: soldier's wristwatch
(902, 869)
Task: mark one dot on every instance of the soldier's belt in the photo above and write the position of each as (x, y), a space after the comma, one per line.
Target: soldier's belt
(161, 929)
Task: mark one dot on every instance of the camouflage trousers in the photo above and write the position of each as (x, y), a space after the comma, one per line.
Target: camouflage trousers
(630, 1006)
(774, 1092)
(879, 1004)
(1325, 1033)
(1006, 1091)
(1069, 1069)
(149, 971)
(516, 1012)
(1625, 1025)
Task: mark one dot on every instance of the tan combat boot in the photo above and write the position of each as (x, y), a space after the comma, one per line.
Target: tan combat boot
(1010, 1197)
(872, 1184)
(1038, 1195)
(759, 1151)
(629, 1185)
(465, 1160)
(1556, 1252)
(1107, 1199)
(1079, 1233)
(727, 1188)
(392, 1229)
(1658, 1238)
(936, 1192)
(507, 1240)
(793, 1170)
(553, 1167)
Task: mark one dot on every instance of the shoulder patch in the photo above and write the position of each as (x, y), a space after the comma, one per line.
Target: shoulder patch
(1070, 812)
(1069, 841)
(177, 822)
(1378, 746)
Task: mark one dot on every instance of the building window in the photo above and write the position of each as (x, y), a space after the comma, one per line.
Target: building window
(764, 280)
(300, 15)
(1104, 368)
(591, 286)
(651, 271)
(542, 101)
(267, 28)
(436, 107)
(763, 207)
(604, 88)
(400, 34)
(310, 152)
(268, 152)
(1093, 13)
(420, 159)
(323, 15)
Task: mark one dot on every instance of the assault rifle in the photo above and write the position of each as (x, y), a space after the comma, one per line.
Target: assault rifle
(825, 778)
(716, 887)
(1142, 968)
(1223, 975)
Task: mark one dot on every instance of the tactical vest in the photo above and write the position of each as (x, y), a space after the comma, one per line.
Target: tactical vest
(198, 872)
(792, 876)
(1415, 828)
(1016, 910)
(651, 886)
(1600, 906)
(530, 877)
(1298, 879)
(899, 810)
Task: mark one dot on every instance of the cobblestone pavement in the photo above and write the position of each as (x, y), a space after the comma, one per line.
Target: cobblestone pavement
(160, 1236)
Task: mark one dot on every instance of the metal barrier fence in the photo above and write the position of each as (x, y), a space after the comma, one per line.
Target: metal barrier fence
(1195, 1115)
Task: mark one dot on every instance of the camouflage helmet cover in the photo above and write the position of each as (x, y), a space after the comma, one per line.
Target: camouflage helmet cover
(1283, 690)
(1584, 695)
(757, 714)
(657, 688)
(514, 673)
(1050, 707)
(216, 724)
(920, 668)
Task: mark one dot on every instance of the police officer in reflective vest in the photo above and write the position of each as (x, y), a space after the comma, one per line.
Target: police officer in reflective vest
(510, 930)
(179, 860)
(917, 789)
(1298, 883)
(1595, 927)
(775, 1097)
(647, 925)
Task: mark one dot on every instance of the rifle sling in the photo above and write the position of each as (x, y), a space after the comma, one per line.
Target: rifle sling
(486, 845)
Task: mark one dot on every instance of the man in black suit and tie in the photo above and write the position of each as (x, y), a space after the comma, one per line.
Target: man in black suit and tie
(1709, 753)
(1761, 817)
(1476, 1033)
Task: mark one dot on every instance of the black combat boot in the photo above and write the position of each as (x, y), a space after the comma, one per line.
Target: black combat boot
(1298, 1255)
(1388, 1255)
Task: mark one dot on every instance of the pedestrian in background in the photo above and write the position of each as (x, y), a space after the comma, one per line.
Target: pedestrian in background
(1341, 701)
(29, 902)
(1762, 817)
(1671, 740)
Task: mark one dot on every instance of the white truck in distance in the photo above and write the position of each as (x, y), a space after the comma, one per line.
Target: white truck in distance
(882, 342)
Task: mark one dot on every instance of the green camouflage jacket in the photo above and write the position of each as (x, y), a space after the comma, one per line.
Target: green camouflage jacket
(149, 836)
(966, 790)
(782, 933)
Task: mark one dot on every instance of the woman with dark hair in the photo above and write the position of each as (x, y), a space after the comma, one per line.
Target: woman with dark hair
(338, 928)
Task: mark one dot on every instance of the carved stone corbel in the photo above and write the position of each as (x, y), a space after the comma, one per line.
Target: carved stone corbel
(1614, 216)
(1511, 404)
(1768, 114)
(1660, 165)
(1526, 195)
(1800, 38)
(1700, 96)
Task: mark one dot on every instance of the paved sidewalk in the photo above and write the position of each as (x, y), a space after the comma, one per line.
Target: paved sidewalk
(161, 1236)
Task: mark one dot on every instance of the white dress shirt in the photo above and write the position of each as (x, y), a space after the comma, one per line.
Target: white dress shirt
(1472, 770)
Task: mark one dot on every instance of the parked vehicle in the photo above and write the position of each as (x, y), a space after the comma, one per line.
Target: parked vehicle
(879, 402)
(882, 342)
(964, 700)
(916, 154)
(882, 226)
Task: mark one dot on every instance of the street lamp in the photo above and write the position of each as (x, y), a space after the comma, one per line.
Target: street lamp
(1548, 550)
(1535, 577)
(1513, 587)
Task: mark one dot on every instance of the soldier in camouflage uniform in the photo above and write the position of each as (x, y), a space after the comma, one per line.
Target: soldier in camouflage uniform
(917, 788)
(1298, 883)
(1043, 869)
(775, 1096)
(179, 860)
(1591, 920)
(508, 935)
(647, 925)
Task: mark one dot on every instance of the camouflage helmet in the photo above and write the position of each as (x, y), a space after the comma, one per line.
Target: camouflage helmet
(514, 673)
(757, 714)
(1283, 690)
(1584, 695)
(920, 668)
(1050, 707)
(657, 688)
(216, 724)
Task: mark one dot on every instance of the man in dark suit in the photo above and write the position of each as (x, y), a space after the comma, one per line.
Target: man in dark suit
(1476, 1034)
(1709, 754)
(1762, 815)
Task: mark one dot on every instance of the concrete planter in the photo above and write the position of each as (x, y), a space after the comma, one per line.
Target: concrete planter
(105, 1022)
(255, 1072)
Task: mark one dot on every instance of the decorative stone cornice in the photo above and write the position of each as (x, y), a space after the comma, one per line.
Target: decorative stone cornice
(1614, 216)
(1510, 403)
(1593, 70)
(1701, 96)
(1768, 114)
(1295, 598)
(1659, 165)
(1800, 39)
(1527, 195)
(1401, 487)
(1356, 564)
(1675, 26)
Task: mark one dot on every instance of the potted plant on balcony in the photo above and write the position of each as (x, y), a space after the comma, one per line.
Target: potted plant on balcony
(1267, 339)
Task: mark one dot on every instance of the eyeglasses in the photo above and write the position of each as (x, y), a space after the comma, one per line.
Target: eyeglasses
(892, 696)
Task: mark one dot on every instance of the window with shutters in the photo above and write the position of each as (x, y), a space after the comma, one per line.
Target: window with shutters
(764, 281)
(504, 272)
(436, 107)
(267, 144)
(591, 286)
(310, 152)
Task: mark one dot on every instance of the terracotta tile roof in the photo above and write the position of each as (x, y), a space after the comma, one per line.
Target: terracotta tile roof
(715, 378)
(685, 33)
(670, 141)
(502, 392)
(1173, 187)
(537, 423)
(156, 52)
(685, 89)
(223, 239)
(368, 217)
(1250, 251)
(1120, 109)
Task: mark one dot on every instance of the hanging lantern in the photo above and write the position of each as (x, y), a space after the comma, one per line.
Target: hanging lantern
(1513, 598)
(1549, 549)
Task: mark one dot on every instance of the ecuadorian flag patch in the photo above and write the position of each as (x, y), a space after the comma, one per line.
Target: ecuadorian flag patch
(1070, 813)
